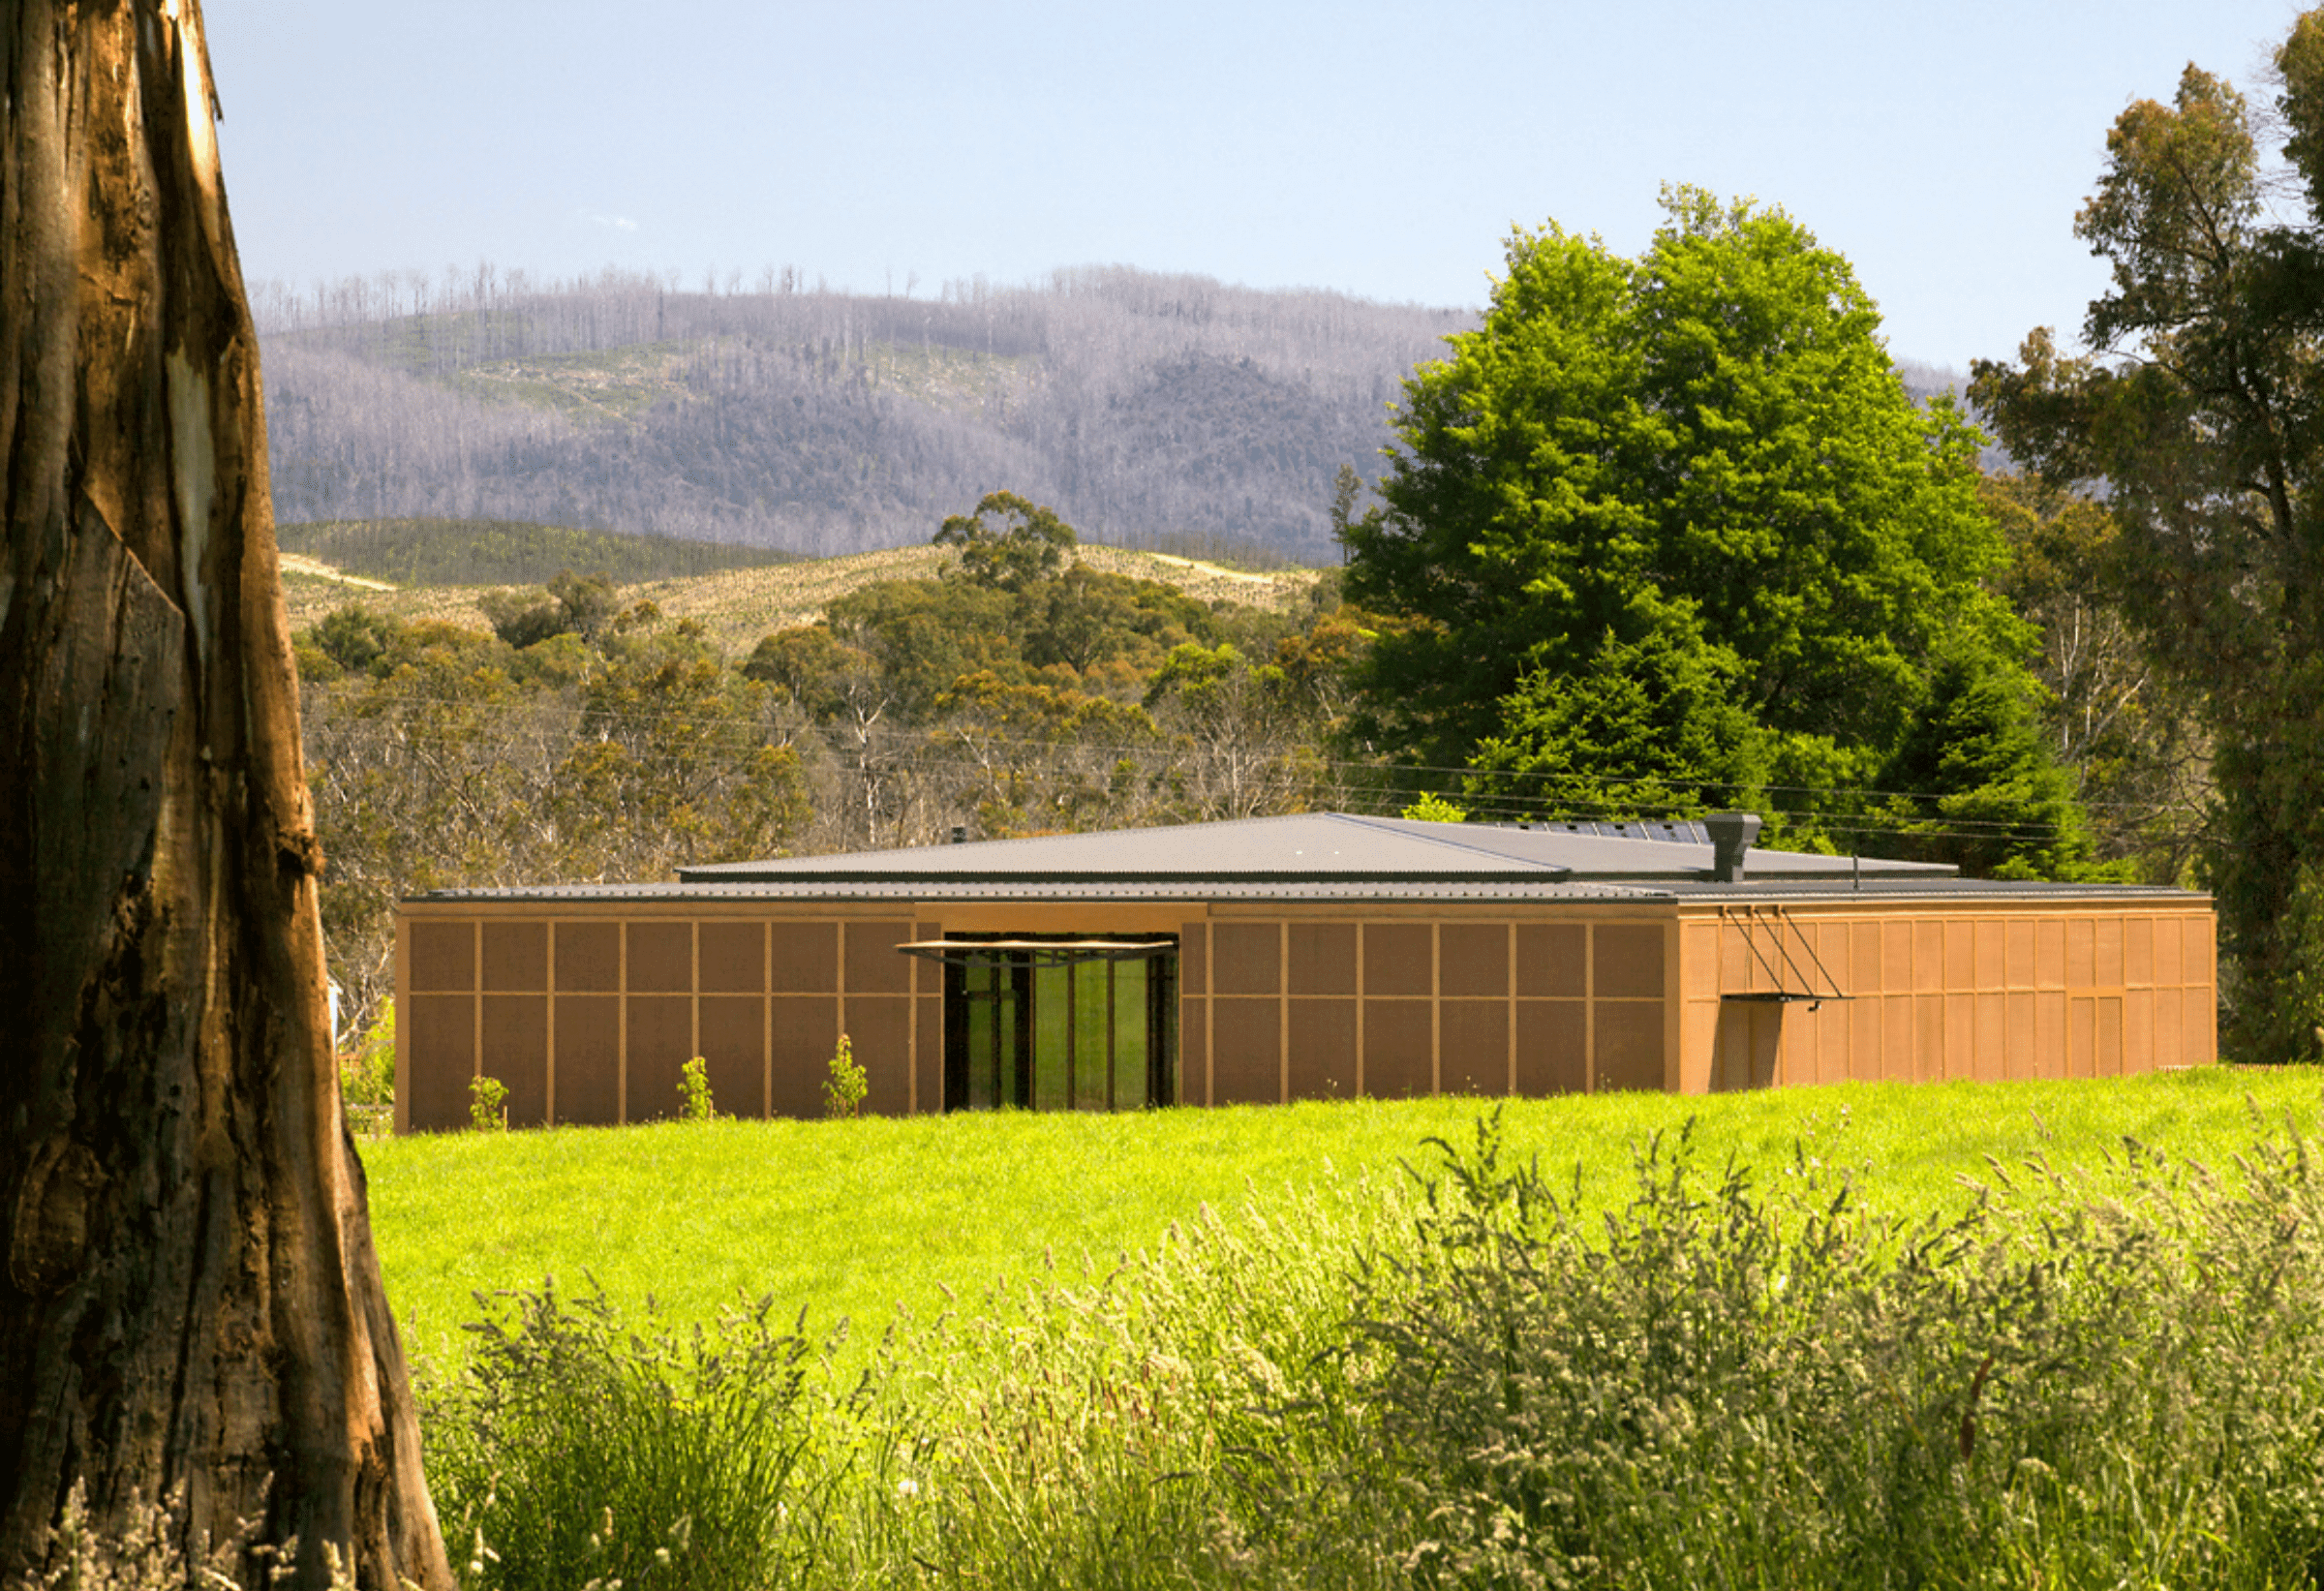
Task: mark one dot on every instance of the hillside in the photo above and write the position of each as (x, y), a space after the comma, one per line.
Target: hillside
(737, 606)
(467, 552)
(1148, 409)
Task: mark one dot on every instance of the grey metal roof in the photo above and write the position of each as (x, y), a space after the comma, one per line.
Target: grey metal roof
(1313, 848)
(903, 891)
(1318, 856)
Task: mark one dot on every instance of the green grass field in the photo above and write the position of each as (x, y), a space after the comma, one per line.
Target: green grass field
(857, 1219)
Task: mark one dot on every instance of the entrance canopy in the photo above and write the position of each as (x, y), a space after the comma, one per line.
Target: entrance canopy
(1036, 952)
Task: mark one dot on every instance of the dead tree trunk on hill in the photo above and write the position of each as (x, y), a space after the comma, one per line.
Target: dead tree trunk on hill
(189, 1297)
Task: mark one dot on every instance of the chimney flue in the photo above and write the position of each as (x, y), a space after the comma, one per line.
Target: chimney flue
(1731, 835)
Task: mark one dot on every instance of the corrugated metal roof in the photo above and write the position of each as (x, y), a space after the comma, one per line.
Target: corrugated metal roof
(1692, 890)
(1320, 856)
(1040, 890)
(1311, 847)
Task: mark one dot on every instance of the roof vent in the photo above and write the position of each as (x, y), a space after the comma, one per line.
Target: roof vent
(960, 834)
(1731, 835)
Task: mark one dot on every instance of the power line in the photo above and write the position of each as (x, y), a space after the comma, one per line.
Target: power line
(1267, 786)
(927, 747)
(641, 715)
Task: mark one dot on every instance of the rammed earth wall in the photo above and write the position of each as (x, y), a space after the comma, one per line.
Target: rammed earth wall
(586, 1009)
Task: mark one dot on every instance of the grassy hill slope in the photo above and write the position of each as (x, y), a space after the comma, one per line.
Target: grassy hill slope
(862, 1218)
(738, 604)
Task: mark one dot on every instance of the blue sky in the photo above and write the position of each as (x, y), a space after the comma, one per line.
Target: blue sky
(1381, 150)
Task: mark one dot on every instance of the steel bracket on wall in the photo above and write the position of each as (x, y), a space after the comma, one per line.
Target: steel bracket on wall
(1813, 989)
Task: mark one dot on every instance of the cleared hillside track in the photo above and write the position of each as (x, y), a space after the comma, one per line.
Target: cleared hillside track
(737, 606)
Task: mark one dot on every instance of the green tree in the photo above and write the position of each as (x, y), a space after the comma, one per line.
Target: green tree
(2127, 729)
(583, 605)
(1023, 542)
(1243, 739)
(1695, 466)
(923, 635)
(2200, 409)
(1999, 802)
(675, 761)
(354, 638)
(810, 666)
(1033, 758)
(1649, 726)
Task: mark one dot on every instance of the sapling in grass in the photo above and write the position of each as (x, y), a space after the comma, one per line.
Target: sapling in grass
(693, 1087)
(488, 1104)
(844, 1091)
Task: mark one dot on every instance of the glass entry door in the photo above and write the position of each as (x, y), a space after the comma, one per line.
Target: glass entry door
(1060, 1025)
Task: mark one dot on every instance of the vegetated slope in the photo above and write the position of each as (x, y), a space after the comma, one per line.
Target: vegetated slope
(735, 605)
(494, 552)
(1213, 444)
(857, 1219)
(1144, 408)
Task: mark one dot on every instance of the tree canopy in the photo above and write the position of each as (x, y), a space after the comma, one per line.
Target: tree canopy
(2199, 412)
(1669, 530)
(1025, 543)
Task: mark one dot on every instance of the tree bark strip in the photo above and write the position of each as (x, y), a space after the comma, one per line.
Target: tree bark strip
(190, 1297)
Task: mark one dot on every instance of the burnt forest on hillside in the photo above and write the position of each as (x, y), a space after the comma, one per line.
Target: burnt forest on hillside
(1148, 409)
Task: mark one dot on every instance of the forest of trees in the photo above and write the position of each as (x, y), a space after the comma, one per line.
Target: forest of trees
(2194, 418)
(1147, 409)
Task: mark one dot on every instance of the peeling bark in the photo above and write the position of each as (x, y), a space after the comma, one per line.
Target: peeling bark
(190, 1297)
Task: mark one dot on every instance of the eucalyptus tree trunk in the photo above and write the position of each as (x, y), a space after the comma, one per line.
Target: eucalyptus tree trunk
(189, 1299)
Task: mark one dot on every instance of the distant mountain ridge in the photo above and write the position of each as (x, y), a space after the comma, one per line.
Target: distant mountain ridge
(1148, 409)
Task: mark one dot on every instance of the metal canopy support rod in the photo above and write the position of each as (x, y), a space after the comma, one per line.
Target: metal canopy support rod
(1817, 990)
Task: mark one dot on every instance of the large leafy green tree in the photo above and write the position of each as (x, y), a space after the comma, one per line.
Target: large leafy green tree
(1670, 529)
(2200, 411)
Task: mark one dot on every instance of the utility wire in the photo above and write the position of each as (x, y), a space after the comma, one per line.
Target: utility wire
(639, 717)
(1267, 786)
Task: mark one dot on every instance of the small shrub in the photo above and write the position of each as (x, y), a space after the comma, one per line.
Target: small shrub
(1432, 808)
(844, 1091)
(367, 1075)
(488, 1104)
(694, 1086)
(573, 1449)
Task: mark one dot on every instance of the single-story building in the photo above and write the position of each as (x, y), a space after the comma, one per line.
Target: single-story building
(1313, 956)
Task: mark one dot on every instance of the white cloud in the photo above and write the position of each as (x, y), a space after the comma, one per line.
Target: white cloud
(619, 223)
